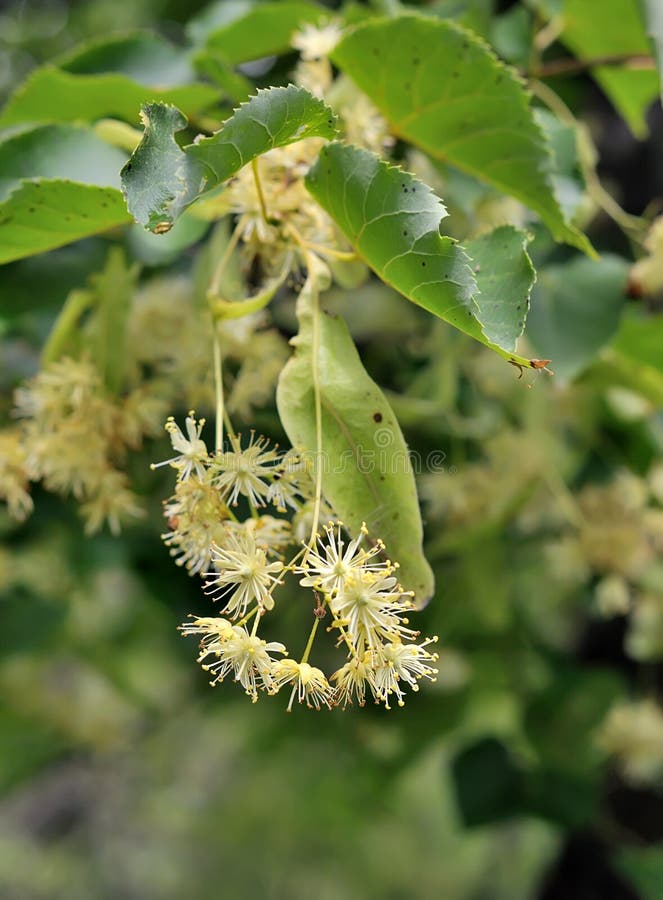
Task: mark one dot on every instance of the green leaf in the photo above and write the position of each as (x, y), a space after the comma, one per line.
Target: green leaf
(576, 310)
(264, 30)
(47, 213)
(644, 867)
(618, 30)
(442, 89)
(57, 186)
(52, 95)
(392, 220)
(653, 16)
(367, 474)
(505, 275)
(161, 179)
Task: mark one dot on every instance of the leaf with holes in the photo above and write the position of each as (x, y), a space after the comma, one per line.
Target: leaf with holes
(366, 469)
(161, 179)
(392, 220)
(443, 89)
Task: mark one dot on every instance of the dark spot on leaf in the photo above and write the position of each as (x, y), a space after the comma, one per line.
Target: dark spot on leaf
(128, 167)
(423, 265)
(376, 52)
(454, 74)
(518, 307)
(377, 417)
(499, 79)
(104, 204)
(469, 312)
(407, 86)
(31, 209)
(405, 234)
(415, 61)
(520, 324)
(395, 516)
(381, 477)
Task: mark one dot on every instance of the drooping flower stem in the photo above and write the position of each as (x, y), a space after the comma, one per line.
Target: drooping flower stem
(315, 353)
(218, 391)
(215, 281)
(309, 643)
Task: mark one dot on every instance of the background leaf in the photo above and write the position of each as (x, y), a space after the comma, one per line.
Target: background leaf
(52, 95)
(444, 90)
(160, 180)
(392, 220)
(264, 30)
(59, 184)
(618, 30)
(144, 57)
(653, 16)
(576, 310)
(367, 473)
(505, 275)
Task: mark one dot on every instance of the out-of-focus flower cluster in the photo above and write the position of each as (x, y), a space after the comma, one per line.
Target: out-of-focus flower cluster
(227, 522)
(74, 435)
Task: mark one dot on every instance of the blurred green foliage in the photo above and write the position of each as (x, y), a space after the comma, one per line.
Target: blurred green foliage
(124, 775)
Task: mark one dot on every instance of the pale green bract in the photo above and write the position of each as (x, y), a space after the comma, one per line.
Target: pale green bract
(367, 474)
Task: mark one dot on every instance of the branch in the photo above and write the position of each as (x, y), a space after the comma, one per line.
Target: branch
(572, 66)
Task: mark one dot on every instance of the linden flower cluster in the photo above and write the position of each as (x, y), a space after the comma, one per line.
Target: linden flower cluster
(72, 436)
(243, 563)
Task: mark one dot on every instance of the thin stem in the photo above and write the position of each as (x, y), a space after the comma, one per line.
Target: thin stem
(341, 255)
(632, 225)
(214, 284)
(261, 196)
(573, 66)
(229, 427)
(218, 390)
(248, 616)
(315, 352)
(309, 644)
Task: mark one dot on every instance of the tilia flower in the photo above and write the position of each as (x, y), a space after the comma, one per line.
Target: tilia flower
(308, 683)
(243, 575)
(327, 566)
(191, 449)
(247, 657)
(245, 472)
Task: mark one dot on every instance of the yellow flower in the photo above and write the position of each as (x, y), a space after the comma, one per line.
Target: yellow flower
(242, 574)
(191, 448)
(247, 657)
(327, 566)
(308, 683)
(245, 472)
